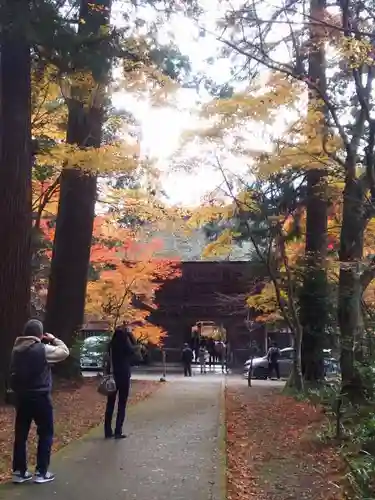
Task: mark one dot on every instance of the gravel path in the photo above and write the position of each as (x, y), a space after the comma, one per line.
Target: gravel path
(174, 449)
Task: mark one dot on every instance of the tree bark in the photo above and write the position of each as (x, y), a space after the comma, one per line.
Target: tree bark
(296, 379)
(15, 178)
(313, 298)
(76, 211)
(350, 289)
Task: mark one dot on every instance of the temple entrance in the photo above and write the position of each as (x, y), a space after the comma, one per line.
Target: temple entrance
(204, 299)
(211, 337)
(209, 329)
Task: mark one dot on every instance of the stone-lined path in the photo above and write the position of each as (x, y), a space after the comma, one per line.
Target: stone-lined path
(174, 449)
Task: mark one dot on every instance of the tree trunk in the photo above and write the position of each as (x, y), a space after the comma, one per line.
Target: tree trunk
(313, 299)
(76, 211)
(15, 178)
(350, 290)
(295, 380)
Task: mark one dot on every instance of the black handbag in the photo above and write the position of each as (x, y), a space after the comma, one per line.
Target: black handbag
(107, 383)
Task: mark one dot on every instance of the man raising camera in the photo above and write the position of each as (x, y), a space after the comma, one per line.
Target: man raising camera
(31, 382)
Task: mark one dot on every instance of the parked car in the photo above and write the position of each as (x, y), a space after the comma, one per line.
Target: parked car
(260, 365)
(92, 352)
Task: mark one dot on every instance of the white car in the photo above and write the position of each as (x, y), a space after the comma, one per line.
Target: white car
(260, 365)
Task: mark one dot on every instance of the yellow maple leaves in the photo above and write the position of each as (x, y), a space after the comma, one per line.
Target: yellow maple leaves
(49, 111)
(357, 51)
(266, 304)
(222, 246)
(256, 103)
(119, 157)
(209, 213)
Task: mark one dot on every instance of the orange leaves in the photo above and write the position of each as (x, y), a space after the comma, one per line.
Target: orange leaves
(129, 275)
(126, 275)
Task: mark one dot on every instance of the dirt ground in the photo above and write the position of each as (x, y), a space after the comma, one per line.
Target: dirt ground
(77, 409)
(273, 450)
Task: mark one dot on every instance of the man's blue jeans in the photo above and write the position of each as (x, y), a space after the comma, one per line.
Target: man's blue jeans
(38, 408)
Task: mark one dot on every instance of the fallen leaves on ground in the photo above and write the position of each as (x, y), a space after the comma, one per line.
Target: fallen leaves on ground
(273, 452)
(77, 409)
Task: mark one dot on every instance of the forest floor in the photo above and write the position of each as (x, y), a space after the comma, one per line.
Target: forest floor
(272, 447)
(77, 409)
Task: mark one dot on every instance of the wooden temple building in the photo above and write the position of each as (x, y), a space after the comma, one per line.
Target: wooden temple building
(213, 291)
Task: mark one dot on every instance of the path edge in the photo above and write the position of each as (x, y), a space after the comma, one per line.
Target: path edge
(219, 480)
(63, 453)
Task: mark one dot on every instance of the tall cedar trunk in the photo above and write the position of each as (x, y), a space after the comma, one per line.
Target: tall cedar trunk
(313, 313)
(350, 291)
(313, 299)
(295, 380)
(15, 178)
(76, 211)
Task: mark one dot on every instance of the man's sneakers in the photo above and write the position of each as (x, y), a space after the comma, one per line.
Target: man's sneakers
(48, 477)
(18, 478)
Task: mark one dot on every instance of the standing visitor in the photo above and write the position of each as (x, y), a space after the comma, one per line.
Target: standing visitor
(273, 357)
(202, 358)
(187, 359)
(31, 382)
(220, 353)
(211, 351)
(196, 351)
(121, 350)
(227, 356)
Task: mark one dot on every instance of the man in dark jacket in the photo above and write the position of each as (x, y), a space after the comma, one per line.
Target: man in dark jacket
(31, 382)
(187, 359)
(211, 351)
(273, 357)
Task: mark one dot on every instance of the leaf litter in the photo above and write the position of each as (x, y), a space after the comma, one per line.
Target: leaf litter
(272, 449)
(77, 410)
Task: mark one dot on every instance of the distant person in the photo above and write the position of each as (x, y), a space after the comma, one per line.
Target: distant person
(187, 359)
(228, 356)
(202, 359)
(195, 348)
(121, 350)
(31, 382)
(273, 357)
(220, 354)
(254, 352)
(211, 351)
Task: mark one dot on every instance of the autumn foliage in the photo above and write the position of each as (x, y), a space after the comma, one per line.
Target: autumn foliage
(124, 276)
(272, 450)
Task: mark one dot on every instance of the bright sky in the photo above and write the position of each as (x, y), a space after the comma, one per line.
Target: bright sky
(162, 127)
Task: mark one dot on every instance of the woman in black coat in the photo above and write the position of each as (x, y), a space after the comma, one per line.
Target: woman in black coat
(121, 351)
